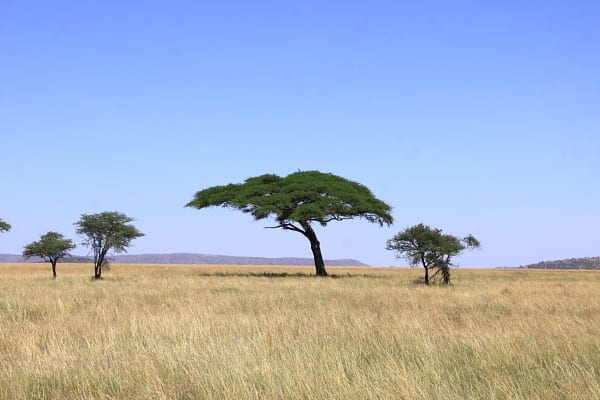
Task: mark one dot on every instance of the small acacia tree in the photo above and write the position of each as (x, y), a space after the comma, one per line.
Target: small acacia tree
(298, 200)
(422, 244)
(4, 226)
(106, 231)
(52, 247)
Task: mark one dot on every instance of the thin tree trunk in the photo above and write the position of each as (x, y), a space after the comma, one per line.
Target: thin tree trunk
(99, 261)
(53, 262)
(446, 270)
(98, 269)
(426, 270)
(315, 247)
(445, 274)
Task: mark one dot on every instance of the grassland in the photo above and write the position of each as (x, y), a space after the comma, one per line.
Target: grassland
(185, 332)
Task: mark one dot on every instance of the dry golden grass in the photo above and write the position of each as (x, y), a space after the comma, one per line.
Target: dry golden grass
(197, 332)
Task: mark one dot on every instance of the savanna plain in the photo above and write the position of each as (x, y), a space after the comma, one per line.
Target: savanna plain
(225, 332)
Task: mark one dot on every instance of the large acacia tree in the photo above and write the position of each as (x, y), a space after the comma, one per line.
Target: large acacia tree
(422, 244)
(4, 226)
(52, 247)
(297, 201)
(105, 231)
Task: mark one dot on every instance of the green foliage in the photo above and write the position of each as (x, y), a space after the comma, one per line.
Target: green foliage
(4, 226)
(52, 247)
(105, 231)
(470, 242)
(308, 196)
(430, 247)
(298, 200)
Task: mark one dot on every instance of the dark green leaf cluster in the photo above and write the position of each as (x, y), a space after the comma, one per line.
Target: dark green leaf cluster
(301, 197)
(109, 229)
(52, 246)
(4, 226)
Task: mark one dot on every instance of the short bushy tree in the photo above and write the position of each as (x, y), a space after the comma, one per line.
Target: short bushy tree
(51, 247)
(298, 200)
(106, 231)
(422, 244)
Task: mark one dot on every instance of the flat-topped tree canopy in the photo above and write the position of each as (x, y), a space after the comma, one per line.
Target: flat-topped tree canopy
(298, 200)
(52, 247)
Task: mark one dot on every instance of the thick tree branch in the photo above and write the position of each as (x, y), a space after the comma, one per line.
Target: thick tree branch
(288, 226)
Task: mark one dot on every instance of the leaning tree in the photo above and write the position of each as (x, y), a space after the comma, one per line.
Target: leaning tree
(298, 200)
(4, 226)
(422, 244)
(51, 247)
(105, 231)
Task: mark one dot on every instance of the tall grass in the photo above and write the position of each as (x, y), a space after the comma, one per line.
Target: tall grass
(185, 332)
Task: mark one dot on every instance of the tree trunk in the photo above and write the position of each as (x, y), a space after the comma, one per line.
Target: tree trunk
(425, 266)
(98, 268)
(446, 274)
(318, 257)
(98, 263)
(53, 262)
(315, 247)
(446, 270)
(98, 271)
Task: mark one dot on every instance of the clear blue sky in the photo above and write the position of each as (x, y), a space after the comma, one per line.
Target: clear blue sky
(477, 117)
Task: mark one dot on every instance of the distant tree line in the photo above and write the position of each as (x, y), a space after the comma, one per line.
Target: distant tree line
(571, 263)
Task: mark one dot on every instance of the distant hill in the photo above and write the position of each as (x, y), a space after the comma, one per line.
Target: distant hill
(191, 258)
(13, 258)
(571, 263)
